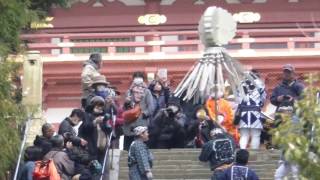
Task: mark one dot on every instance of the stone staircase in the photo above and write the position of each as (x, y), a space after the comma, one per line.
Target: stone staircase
(184, 164)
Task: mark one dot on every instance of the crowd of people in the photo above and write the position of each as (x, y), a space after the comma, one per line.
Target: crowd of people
(151, 117)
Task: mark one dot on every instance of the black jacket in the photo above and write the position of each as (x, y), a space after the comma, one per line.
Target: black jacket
(67, 128)
(294, 89)
(219, 151)
(88, 130)
(44, 143)
(167, 131)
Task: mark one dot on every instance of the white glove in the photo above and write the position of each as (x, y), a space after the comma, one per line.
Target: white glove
(220, 119)
(149, 175)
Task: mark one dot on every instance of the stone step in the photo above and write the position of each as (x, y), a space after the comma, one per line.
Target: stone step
(184, 164)
(203, 170)
(197, 151)
(157, 163)
(196, 159)
(193, 155)
(172, 167)
(207, 176)
(207, 179)
(193, 175)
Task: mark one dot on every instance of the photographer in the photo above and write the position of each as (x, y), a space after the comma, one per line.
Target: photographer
(138, 108)
(167, 128)
(289, 90)
(96, 128)
(66, 128)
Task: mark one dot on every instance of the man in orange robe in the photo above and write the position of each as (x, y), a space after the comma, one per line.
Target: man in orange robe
(225, 116)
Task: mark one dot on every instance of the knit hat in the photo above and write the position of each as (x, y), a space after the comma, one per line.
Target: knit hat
(139, 130)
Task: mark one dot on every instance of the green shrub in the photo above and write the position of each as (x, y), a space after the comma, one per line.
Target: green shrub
(301, 141)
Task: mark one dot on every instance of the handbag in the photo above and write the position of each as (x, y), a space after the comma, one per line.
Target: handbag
(102, 139)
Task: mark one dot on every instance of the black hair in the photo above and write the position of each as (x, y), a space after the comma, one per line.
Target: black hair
(33, 153)
(138, 74)
(45, 127)
(79, 113)
(242, 157)
(175, 101)
(256, 72)
(153, 84)
(57, 141)
(197, 108)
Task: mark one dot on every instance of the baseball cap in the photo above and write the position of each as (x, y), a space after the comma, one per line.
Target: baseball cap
(288, 67)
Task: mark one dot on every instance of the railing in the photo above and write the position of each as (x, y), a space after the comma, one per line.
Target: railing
(173, 42)
(108, 164)
(22, 147)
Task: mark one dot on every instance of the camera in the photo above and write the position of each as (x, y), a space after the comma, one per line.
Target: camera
(107, 125)
(106, 117)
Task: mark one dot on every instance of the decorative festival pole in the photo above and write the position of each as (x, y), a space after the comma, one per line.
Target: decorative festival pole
(206, 77)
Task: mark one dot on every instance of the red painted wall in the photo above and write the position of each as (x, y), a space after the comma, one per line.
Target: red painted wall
(115, 16)
(62, 80)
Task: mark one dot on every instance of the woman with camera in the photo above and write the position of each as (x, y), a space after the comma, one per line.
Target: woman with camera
(95, 129)
(167, 128)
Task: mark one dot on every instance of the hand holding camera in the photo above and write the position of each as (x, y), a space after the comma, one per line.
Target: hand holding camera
(98, 120)
(72, 140)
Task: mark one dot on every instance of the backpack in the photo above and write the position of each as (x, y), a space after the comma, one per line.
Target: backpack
(95, 167)
(45, 170)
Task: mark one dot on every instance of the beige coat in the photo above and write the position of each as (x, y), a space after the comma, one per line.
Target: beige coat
(88, 72)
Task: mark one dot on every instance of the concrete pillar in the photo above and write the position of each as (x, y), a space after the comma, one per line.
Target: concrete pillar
(32, 92)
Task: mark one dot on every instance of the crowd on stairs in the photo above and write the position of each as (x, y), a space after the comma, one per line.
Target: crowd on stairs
(151, 117)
